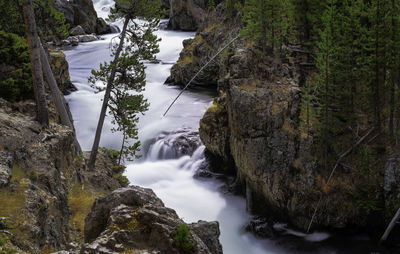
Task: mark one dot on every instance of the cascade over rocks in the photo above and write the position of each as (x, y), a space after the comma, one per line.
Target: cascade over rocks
(171, 145)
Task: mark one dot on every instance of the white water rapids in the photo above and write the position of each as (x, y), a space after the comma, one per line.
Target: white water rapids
(163, 169)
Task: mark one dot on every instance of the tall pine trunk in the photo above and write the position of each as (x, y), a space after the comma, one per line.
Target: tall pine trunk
(58, 99)
(36, 65)
(110, 82)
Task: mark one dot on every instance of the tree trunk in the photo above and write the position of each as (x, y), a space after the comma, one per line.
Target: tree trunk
(36, 65)
(390, 226)
(110, 82)
(122, 148)
(58, 100)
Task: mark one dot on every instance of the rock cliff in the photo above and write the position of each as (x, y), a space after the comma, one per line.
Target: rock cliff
(82, 13)
(188, 15)
(255, 128)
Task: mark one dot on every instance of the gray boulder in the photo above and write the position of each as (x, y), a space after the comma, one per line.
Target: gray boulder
(78, 30)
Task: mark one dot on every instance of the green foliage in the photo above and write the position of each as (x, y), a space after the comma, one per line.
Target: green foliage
(126, 102)
(10, 17)
(182, 240)
(15, 78)
(50, 22)
(210, 5)
(366, 191)
(123, 180)
(308, 115)
(233, 6)
(267, 22)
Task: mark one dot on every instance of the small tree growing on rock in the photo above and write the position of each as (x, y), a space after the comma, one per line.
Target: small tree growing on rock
(125, 76)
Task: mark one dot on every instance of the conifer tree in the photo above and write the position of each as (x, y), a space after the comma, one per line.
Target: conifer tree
(125, 74)
(267, 23)
(325, 62)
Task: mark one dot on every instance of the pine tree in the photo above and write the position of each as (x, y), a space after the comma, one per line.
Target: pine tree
(325, 86)
(126, 72)
(267, 23)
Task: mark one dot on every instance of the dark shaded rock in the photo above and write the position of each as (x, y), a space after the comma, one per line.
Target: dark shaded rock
(207, 232)
(81, 15)
(166, 7)
(134, 219)
(186, 15)
(261, 227)
(114, 29)
(102, 27)
(78, 12)
(78, 30)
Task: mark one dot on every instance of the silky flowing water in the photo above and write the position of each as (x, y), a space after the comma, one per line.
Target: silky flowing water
(168, 173)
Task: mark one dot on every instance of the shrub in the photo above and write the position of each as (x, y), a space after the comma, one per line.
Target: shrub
(15, 72)
(182, 241)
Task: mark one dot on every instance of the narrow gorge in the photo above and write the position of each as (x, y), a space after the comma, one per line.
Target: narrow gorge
(243, 162)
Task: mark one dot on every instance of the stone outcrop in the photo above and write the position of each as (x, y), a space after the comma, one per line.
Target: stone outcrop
(187, 15)
(135, 220)
(82, 13)
(59, 66)
(199, 50)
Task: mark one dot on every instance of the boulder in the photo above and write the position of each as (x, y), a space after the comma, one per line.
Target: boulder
(87, 38)
(207, 232)
(59, 66)
(134, 219)
(78, 30)
(102, 27)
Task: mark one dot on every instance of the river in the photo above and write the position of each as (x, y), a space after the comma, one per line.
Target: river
(163, 168)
